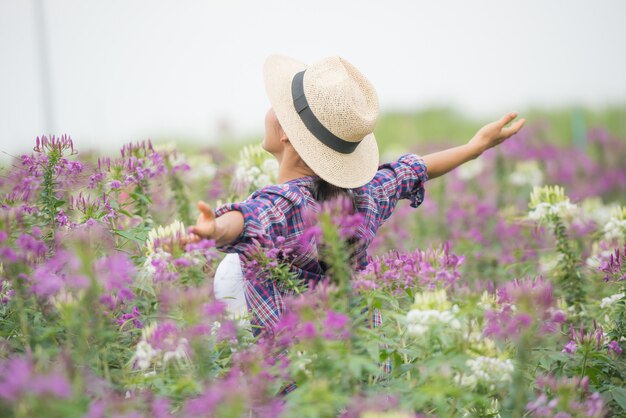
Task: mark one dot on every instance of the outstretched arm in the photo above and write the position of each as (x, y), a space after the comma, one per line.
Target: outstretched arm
(490, 135)
(224, 229)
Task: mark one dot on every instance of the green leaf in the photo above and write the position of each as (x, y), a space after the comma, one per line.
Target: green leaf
(374, 351)
(619, 394)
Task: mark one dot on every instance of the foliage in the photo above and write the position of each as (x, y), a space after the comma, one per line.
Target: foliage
(476, 305)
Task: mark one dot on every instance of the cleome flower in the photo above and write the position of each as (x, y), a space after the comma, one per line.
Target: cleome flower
(166, 238)
(524, 305)
(489, 371)
(595, 210)
(173, 159)
(526, 173)
(160, 345)
(256, 169)
(608, 301)
(471, 169)
(549, 201)
(431, 309)
(615, 228)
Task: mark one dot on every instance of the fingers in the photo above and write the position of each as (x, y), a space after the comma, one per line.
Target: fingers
(202, 230)
(192, 238)
(507, 118)
(513, 129)
(206, 210)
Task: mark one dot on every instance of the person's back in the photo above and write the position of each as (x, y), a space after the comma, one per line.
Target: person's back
(321, 126)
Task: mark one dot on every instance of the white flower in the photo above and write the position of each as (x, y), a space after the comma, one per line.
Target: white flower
(5, 286)
(269, 166)
(416, 330)
(487, 370)
(549, 201)
(615, 228)
(606, 302)
(179, 354)
(256, 168)
(493, 411)
(172, 234)
(540, 212)
(549, 262)
(471, 169)
(144, 354)
(202, 167)
(526, 173)
(595, 210)
(431, 309)
(263, 180)
(65, 299)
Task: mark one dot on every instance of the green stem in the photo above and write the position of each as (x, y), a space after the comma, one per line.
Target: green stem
(519, 398)
(570, 278)
(181, 199)
(48, 198)
(22, 311)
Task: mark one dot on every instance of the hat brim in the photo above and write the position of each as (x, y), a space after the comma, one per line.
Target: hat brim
(343, 170)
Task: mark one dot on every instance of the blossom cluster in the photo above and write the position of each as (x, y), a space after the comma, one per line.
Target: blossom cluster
(615, 228)
(398, 271)
(256, 168)
(565, 397)
(527, 173)
(161, 344)
(549, 201)
(431, 309)
(524, 305)
(489, 371)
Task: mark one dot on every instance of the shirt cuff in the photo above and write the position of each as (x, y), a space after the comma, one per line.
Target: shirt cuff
(420, 171)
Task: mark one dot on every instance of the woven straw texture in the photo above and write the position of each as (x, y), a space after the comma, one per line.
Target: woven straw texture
(343, 100)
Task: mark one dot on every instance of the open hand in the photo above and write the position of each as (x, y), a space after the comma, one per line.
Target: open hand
(205, 225)
(495, 133)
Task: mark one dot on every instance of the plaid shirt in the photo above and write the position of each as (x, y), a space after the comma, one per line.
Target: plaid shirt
(278, 211)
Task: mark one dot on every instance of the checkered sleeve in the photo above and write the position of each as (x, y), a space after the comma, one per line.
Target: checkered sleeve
(264, 214)
(401, 179)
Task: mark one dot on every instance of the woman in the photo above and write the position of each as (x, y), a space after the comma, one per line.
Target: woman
(320, 129)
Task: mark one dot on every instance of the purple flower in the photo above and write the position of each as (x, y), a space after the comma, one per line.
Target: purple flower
(31, 247)
(62, 219)
(214, 309)
(614, 268)
(565, 397)
(534, 310)
(8, 255)
(308, 331)
(162, 272)
(115, 272)
(570, 347)
(17, 379)
(165, 336)
(161, 408)
(615, 347)
(336, 326)
(398, 271)
(205, 404)
(62, 271)
(227, 331)
(132, 316)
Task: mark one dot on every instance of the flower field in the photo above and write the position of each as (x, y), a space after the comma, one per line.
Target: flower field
(502, 295)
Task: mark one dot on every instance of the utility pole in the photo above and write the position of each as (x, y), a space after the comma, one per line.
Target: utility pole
(44, 66)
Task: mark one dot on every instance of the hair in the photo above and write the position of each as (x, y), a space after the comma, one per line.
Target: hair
(324, 191)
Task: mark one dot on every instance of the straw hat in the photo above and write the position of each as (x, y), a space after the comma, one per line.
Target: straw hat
(328, 110)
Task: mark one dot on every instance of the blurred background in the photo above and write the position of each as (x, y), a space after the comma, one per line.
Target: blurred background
(108, 73)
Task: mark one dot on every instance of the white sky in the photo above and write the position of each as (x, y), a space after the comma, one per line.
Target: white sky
(126, 70)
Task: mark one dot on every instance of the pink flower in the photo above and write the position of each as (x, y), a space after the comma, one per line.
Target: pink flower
(570, 347)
